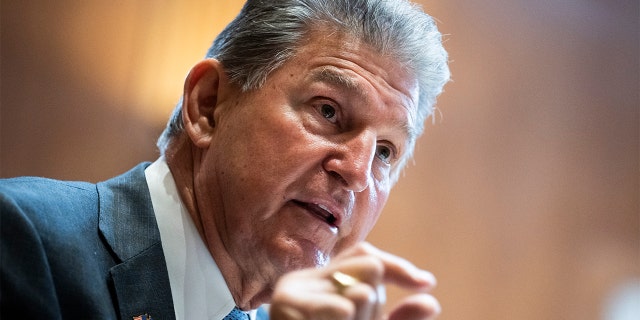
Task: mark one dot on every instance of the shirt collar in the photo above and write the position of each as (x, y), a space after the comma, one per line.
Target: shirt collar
(197, 285)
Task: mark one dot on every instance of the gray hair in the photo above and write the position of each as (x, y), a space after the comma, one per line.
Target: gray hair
(267, 33)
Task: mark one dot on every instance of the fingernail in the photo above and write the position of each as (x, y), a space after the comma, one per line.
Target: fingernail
(428, 277)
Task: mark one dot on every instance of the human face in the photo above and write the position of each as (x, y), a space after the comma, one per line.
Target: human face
(301, 168)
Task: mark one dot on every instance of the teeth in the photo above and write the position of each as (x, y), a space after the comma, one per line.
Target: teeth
(320, 210)
(331, 219)
(324, 208)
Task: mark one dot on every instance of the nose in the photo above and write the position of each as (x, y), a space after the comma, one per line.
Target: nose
(351, 160)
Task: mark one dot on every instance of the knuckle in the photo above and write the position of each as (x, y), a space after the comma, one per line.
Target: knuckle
(374, 268)
(362, 294)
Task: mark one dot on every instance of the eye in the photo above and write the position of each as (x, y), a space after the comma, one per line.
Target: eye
(384, 153)
(328, 112)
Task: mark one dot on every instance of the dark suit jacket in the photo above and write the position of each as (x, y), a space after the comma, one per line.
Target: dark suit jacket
(76, 250)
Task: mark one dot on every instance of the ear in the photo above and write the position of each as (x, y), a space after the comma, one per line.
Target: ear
(205, 88)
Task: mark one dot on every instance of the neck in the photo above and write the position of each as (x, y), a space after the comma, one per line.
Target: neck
(249, 289)
(181, 164)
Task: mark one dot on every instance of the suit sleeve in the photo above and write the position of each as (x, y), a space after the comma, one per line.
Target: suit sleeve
(27, 289)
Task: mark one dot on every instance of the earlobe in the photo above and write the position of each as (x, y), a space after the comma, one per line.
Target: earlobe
(204, 90)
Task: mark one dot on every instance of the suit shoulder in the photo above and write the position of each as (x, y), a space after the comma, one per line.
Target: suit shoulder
(26, 186)
(35, 188)
(46, 200)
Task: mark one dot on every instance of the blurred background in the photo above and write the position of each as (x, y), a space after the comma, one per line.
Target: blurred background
(523, 196)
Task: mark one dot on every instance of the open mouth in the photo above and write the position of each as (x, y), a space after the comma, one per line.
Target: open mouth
(318, 211)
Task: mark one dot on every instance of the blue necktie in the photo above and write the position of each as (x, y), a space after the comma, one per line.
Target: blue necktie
(236, 314)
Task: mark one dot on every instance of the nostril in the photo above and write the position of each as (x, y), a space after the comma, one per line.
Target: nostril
(338, 177)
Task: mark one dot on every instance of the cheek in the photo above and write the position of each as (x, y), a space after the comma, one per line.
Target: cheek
(255, 145)
(375, 201)
(265, 151)
(369, 219)
(366, 213)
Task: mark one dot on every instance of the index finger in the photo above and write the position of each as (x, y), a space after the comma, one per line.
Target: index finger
(397, 270)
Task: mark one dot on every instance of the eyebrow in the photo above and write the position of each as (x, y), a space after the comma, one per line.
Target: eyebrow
(338, 79)
(335, 78)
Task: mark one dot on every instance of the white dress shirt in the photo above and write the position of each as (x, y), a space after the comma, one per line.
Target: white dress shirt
(197, 286)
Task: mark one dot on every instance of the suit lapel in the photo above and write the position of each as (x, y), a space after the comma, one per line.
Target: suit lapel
(128, 225)
(142, 286)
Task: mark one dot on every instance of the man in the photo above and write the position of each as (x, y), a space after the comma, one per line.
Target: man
(274, 167)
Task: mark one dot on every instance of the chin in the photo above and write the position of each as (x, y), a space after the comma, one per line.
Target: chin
(295, 254)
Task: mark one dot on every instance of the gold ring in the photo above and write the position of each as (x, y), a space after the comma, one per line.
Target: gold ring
(342, 281)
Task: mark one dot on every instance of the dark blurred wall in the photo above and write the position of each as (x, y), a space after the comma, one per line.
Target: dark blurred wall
(523, 198)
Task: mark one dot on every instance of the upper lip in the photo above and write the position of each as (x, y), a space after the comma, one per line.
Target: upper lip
(328, 209)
